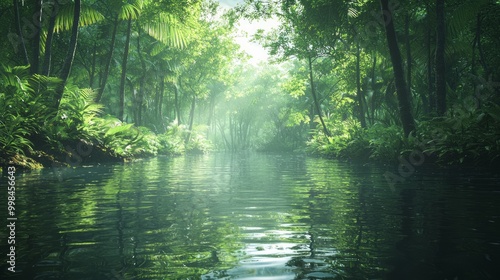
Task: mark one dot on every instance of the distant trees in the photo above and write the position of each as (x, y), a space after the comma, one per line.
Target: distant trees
(348, 32)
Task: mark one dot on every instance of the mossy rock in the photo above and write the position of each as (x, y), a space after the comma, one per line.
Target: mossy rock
(21, 162)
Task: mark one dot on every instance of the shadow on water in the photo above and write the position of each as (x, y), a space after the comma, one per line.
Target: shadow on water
(254, 216)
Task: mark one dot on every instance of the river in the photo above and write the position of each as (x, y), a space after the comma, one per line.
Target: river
(254, 216)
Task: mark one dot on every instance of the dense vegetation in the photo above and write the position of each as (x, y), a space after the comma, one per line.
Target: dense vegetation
(106, 80)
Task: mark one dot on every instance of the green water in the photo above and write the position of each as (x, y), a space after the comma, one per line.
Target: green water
(254, 216)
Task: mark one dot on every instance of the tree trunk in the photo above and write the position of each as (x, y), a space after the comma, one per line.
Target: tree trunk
(159, 99)
(408, 52)
(102, 84)
(315, 98)
(359, 93)
(191, 118)
(140, 101)
(397, 66)
(37, 20)
(47, 60)
(121, 92)
(177, 106)
(374, 86)
(440, 59)
(484, 63)
(211, 108)
(430, 78)
(68, 62)
(92, 67)
(20, 32)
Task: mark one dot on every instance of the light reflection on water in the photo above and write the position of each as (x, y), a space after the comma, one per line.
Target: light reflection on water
(253, 216)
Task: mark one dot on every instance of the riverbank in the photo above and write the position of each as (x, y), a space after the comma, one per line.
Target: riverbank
(472, 140)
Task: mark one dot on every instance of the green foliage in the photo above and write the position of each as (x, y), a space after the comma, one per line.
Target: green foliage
(350, 141)
(29, 123)
(22, 110)
(469, 136)
(466, 137)
(173, 141)
(384, 142)
(122, 139)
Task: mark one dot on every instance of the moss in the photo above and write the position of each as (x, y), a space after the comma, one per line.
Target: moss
(21, 162)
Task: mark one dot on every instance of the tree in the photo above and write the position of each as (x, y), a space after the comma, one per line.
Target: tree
(405, 109)
(440, 59)
(71, 53)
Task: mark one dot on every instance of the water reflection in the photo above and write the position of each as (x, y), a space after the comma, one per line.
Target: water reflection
(251, 216)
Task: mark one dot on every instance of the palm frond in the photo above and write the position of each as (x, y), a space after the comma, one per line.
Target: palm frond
(64, 18)
(462, 16)
(353, 13)
(168, 30)
(157, 49)
(129, 11)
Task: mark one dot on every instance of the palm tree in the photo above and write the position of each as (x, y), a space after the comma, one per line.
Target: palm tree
(164, 27)
(63, 21)
(68, 62)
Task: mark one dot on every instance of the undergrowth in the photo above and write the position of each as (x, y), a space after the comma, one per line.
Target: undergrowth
(30, 125)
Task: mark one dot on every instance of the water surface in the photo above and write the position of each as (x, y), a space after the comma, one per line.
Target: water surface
(254, 216)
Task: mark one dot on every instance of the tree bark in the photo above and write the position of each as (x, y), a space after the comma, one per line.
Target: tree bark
(374, 86)
(191, 118)
(102, 84)
(359, 93)
(68, 62)
(20, 32)
(440, 59)
(92, 67)
(47, 60)
(430, 78)
(404, 98)
(37, 18)
(121, 91)
(315, 98)
(177, 105)
(140, 101)
(159, 98)
(408, 52)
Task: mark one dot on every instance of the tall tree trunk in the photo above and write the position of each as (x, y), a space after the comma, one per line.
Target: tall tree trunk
(191, 118)
(47, 60)
(68, 62)
(404, 98)
(160, 101)
(102, 84)
(20, 32)
(315, 98)
(484, 63)
(211, 108)
(121, 91)
(440, 59)
(177, 105)
(92, 67)
(140, 101)
(374, 86)
(408, 52)
(37, 20)
(359, 93)
(430, 77)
